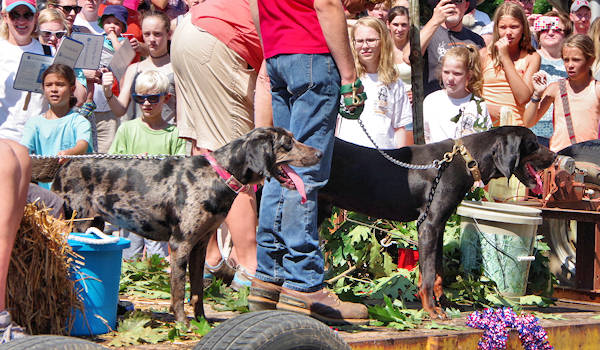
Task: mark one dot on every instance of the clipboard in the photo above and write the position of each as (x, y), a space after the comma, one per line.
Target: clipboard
(32, 66)
(29, 74)
(92, 50)
(121, 59)
(68, 52)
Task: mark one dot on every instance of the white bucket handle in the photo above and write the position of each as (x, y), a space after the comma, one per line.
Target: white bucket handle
(104, 238)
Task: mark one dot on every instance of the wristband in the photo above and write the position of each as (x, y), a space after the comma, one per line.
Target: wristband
(535, 100)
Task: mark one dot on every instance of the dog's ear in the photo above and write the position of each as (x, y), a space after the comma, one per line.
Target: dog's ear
(507, 154)
(262, 158)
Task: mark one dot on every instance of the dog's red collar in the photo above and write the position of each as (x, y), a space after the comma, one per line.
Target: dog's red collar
(234, 184)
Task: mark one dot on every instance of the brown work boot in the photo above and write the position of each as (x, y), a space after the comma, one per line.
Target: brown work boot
(323, 305)
(263, 295)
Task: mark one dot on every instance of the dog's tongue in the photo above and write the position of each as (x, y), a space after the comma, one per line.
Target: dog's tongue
(296, 180)
(538, 188)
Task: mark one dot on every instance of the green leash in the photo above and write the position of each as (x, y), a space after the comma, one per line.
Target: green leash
(352, 107)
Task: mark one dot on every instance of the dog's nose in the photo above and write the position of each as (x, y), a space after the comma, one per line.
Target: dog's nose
(318, 154)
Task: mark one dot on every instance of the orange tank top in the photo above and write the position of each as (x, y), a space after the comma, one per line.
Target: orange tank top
(585, 115)
(497, 92)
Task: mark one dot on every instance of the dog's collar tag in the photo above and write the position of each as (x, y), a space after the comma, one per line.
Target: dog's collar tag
(234, 184)
(470, 162)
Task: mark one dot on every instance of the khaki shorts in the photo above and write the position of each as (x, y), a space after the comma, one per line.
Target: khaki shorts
(214, 88)
(106, 125)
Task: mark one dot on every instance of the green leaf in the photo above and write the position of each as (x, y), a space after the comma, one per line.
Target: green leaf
(200, 327)
(135, 330)
(541, 315)
(453, 313)
(359, 234)
(534, 300)
(433, 325)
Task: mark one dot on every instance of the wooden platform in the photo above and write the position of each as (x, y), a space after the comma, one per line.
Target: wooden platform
(578, 328)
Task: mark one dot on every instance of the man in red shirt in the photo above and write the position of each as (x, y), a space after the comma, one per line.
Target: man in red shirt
(308, 55)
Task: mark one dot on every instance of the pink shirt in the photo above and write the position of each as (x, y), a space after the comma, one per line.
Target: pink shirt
(585, 115)
(289, 27)
(230, 22)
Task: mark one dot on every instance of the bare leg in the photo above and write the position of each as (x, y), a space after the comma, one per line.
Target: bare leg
(241, 222)
(15, 174)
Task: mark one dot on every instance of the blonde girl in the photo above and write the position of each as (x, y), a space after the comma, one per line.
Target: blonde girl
(458, 109)
(52, 27)
(594, 33)
(583, 96)
(387, 115)
(508, 64)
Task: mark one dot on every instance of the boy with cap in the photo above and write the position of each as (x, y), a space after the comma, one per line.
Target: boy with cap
(581, 14)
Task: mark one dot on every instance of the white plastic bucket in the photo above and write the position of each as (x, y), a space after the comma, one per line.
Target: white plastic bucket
(499, 238)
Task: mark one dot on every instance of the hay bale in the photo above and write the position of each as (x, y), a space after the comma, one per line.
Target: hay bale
(39, 291)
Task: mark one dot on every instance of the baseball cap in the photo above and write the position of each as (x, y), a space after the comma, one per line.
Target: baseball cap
(118, 11)
(9, 5)
(577, 4)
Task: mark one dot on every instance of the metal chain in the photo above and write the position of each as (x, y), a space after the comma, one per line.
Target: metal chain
(435, 164)
(109, 156)
(436, 181)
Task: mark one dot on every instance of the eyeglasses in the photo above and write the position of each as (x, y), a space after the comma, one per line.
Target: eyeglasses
(13, 15)
(555, 30)
(48, 33)
(371, 42)
(69, 8)
(141, 99)
(457, 2)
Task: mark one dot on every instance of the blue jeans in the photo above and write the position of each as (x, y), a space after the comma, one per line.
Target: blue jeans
(305, 90)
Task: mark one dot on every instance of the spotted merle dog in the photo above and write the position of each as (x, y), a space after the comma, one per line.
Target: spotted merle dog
(179, 200)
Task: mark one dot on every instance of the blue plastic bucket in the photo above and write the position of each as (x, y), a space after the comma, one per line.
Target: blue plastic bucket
(98, 281)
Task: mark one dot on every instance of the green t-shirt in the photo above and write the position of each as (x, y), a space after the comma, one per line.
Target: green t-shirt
(135, 137)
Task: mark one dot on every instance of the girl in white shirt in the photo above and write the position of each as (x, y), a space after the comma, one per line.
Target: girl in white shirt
(458, 109)
(387, 115)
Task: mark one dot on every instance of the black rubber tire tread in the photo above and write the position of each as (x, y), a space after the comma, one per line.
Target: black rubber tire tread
(272, 330)
(50, 342)
(587, 151)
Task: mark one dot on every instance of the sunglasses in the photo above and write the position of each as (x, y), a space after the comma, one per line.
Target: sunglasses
(13, 15)
(69, 8)
(48, 33)
(555, 30)
(153, 99)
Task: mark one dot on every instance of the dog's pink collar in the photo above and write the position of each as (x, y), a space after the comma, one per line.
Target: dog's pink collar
(234, 184)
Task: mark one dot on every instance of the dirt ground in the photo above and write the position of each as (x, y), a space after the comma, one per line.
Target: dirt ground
(569, 312)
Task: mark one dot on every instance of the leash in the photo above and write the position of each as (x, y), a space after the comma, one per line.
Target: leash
(109, 156)
(436, 182)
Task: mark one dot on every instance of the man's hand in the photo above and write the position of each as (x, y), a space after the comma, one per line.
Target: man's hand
(443, 10)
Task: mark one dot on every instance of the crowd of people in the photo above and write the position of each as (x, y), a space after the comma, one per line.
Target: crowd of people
(204, 72)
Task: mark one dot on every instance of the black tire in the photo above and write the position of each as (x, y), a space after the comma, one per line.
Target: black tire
(272, 330)
(50, 342)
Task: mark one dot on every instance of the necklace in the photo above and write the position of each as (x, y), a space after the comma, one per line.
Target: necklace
(161, 56)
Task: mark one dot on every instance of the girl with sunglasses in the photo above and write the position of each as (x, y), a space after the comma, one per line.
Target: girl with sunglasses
(52, 28)
(150, 134)
(17, 36)
(156, 31)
